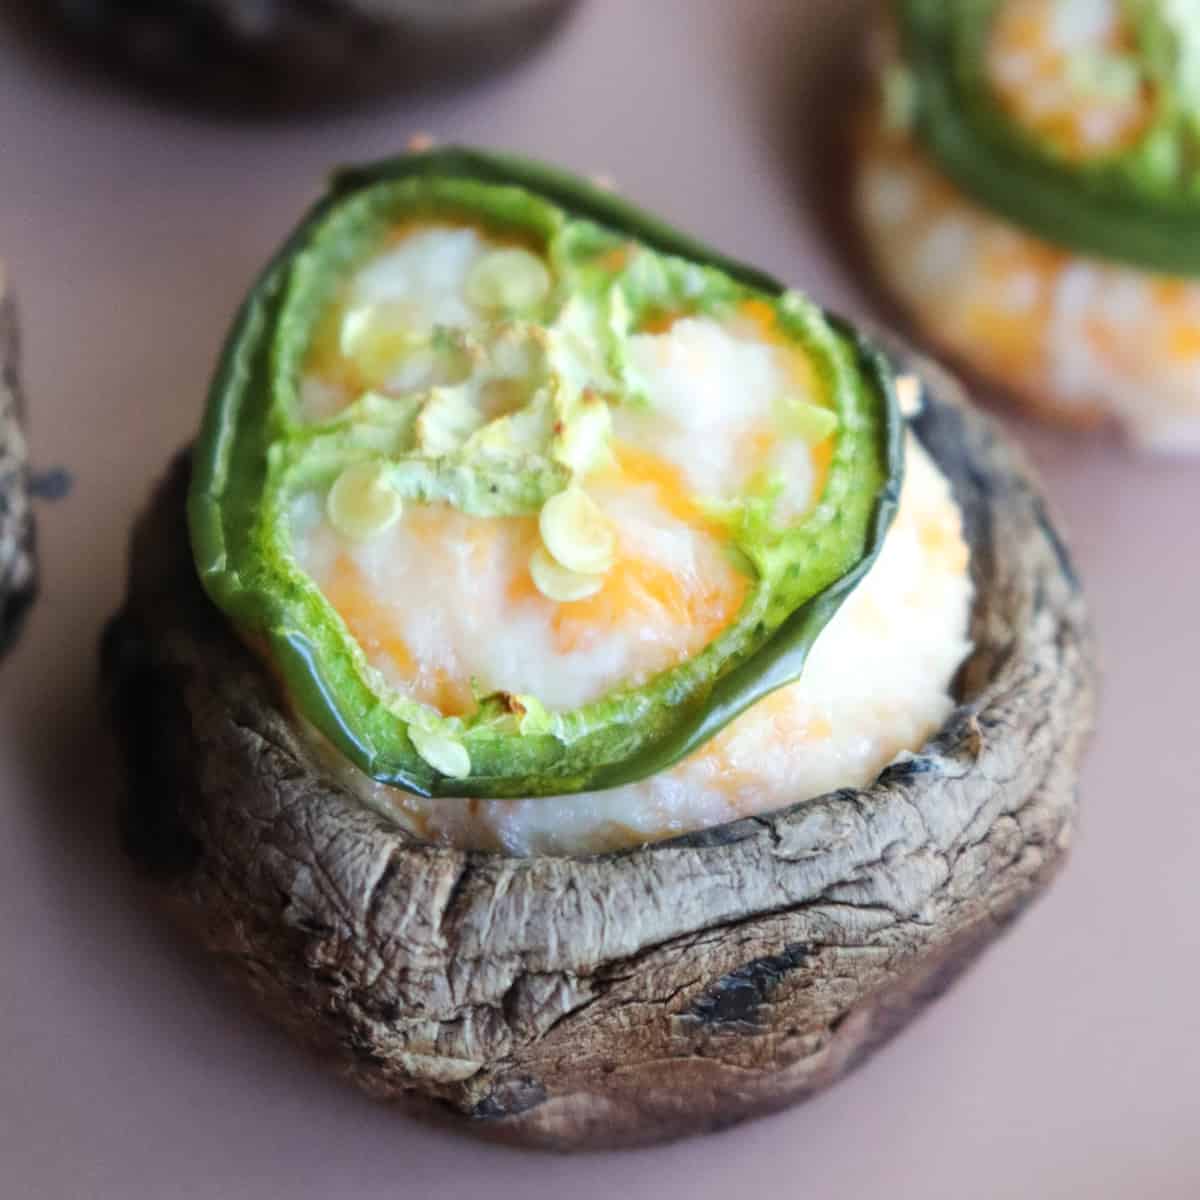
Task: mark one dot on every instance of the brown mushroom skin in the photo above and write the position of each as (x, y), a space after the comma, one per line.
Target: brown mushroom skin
(628, 998)
(18, 564)
(292, 55)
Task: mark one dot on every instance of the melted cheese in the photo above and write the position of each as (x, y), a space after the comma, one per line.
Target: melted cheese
(444, 607)
(713, 393)
(707, 430)
(1066, 70)
(427, 268)
(905, 629)
(424, 272)
(672, 588)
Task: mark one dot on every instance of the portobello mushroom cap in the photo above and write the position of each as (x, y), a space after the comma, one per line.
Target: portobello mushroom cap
(18, 570)
(627, 998)
(297, 54)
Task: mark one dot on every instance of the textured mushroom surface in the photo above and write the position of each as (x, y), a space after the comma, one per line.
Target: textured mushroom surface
(301, 54)
(17, 570)
(626, 998)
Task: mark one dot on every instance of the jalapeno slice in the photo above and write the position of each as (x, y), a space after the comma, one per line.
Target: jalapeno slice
(564, 276)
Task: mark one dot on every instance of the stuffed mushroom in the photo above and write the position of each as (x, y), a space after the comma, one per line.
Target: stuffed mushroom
(294, 54)
(18, 575)
(576, 696)
(1029, 190)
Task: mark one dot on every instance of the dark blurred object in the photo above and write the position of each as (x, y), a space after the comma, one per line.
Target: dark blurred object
(278, 55)
(18, 570)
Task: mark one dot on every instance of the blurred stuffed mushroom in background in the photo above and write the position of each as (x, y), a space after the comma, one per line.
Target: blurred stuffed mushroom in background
(576, 681)
(1029, 189)
(18, 573)
(279, 55)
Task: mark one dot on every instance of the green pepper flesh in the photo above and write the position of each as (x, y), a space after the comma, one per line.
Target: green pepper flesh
(254, 453)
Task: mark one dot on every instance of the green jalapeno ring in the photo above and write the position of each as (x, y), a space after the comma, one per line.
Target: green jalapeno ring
(238, 530)
(1140, 207)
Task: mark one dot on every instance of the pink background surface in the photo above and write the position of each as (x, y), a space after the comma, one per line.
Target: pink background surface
(1066, 1065)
